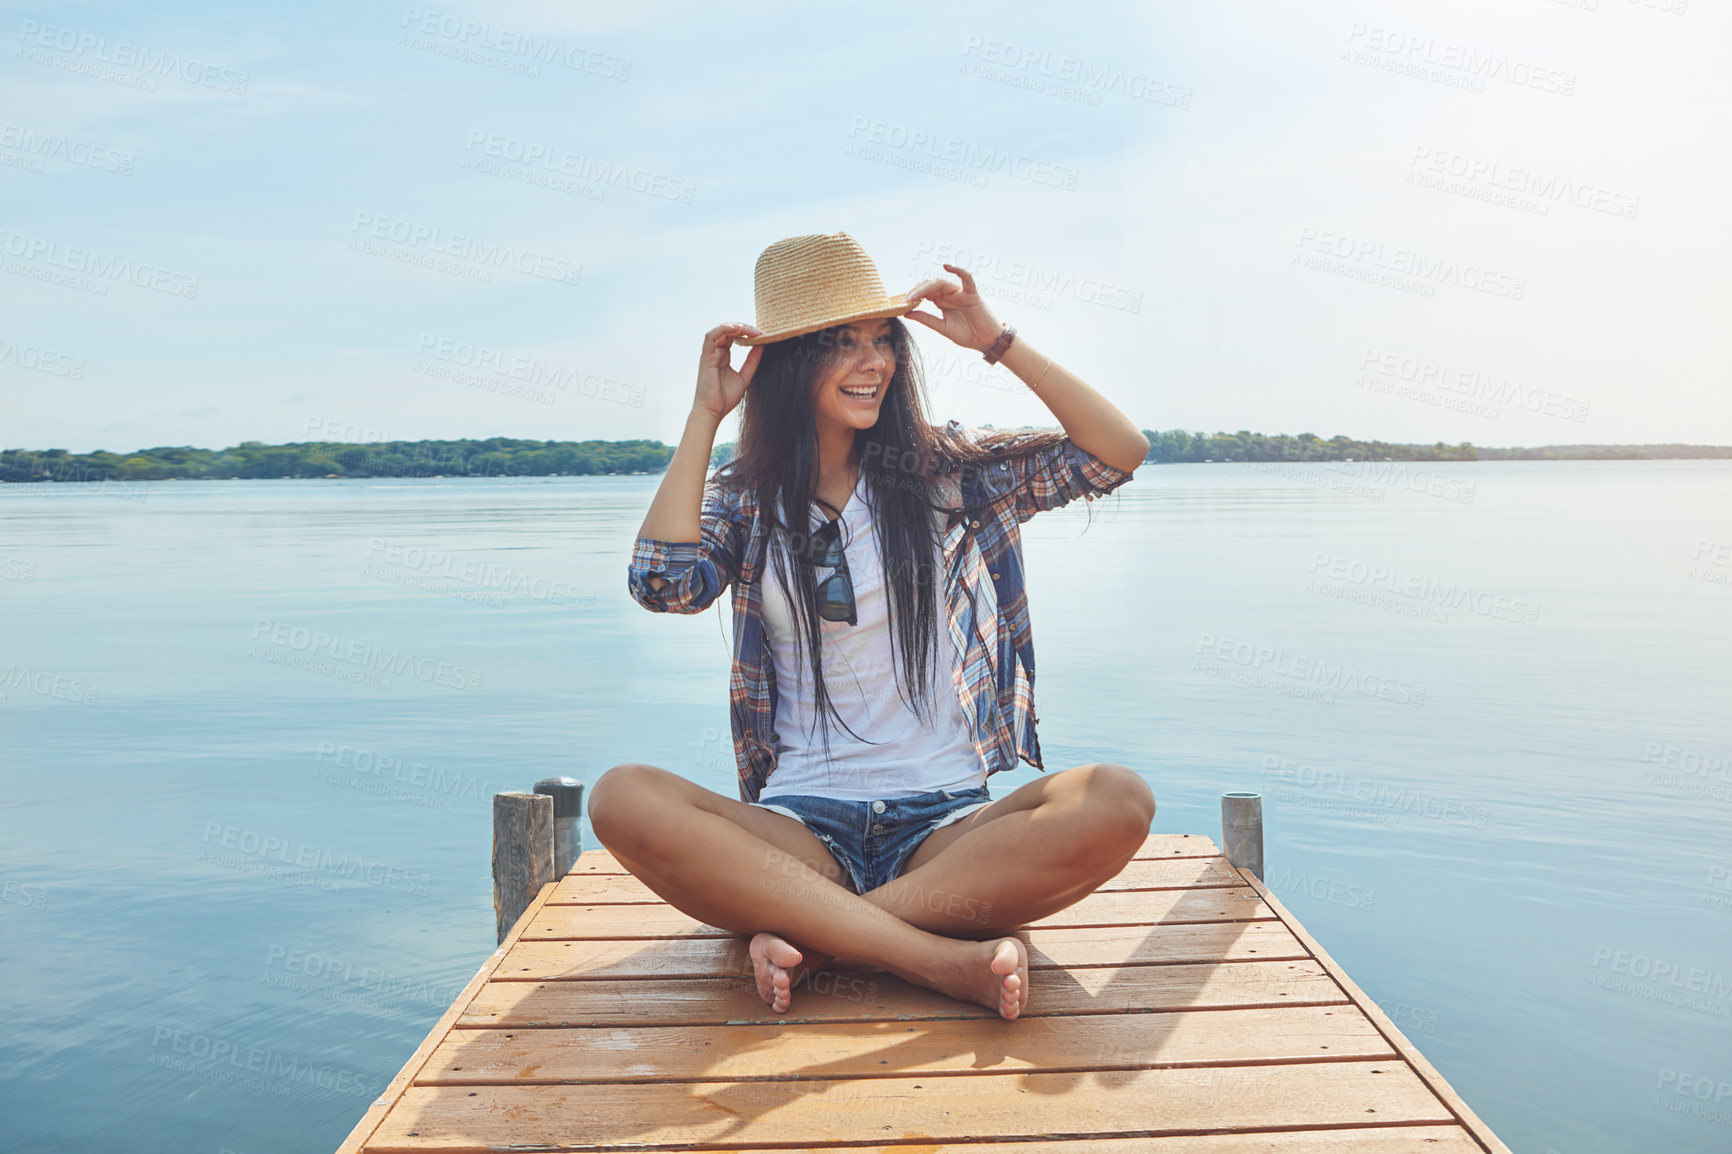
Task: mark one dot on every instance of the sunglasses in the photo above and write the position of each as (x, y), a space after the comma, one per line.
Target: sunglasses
(835, 592)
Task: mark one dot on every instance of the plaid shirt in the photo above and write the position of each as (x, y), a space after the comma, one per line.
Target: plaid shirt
(988, 606)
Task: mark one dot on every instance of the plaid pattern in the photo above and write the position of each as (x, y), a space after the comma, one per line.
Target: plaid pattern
(988, 605)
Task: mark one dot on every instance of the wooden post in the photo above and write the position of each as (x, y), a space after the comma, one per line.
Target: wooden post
(567, 794)
(522, 853)
(1242, 830)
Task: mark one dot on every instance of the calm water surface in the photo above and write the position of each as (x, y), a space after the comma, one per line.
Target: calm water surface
(243, 871)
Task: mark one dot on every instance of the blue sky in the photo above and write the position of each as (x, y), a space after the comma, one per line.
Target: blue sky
(1498, 222)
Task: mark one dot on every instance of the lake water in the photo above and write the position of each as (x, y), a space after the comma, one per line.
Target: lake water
(1489, 706)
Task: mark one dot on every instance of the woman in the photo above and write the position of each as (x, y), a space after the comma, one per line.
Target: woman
(876, 566)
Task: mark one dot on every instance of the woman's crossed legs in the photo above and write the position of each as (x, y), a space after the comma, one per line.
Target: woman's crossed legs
(944, 923)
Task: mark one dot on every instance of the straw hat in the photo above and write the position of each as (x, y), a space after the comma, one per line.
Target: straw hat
(807, 283)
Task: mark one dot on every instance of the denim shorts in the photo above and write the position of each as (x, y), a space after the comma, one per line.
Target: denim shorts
(874, 839)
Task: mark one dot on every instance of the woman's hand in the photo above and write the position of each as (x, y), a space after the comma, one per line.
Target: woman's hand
(720, 386)
(966, 321)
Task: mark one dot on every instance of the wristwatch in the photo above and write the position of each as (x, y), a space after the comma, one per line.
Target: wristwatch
(997, 347)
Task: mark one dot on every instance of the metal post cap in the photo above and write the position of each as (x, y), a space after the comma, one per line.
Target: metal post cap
(1242, 829)
(567, 794)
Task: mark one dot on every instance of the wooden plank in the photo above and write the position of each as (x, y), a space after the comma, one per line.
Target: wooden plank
(1064, 947)
(881, 997)
(921, 1108)
(1165, 944)
(1428, 1139)
(1422, 1068)
(1132, 907)
(1157, 845)
(1164, 873)
(878, 1049)
(388, 1099)
(1143, 907)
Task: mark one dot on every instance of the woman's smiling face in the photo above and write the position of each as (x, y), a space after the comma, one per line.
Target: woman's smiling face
(852, 389)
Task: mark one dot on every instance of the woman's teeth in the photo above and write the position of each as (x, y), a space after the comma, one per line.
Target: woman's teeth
(864, 394)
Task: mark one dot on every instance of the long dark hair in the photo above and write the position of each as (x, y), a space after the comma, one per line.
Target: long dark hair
(900, 457)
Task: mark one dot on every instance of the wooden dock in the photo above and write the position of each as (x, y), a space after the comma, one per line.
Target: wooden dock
(1180, 1007)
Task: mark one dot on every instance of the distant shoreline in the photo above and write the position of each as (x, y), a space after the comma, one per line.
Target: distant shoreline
(516, 458)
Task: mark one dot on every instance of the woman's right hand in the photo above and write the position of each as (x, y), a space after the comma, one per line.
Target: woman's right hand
(720, 385)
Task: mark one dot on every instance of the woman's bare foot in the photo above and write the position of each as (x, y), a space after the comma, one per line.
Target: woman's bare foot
(993, 974)
(778, 966)
(772, 958)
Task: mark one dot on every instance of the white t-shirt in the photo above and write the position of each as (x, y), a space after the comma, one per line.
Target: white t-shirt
(909, 756)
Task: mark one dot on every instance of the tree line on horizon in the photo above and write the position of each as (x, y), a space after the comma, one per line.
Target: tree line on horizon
(515, 457)
(254, 460)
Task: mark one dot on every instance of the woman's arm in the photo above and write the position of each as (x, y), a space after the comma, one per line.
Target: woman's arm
(675, 515)
(1093, 423)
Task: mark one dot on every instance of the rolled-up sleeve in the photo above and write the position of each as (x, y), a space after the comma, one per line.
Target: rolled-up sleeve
(696, 571)
(1048, 478)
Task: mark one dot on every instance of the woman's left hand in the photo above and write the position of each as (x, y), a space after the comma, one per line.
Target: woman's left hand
(966, 320)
